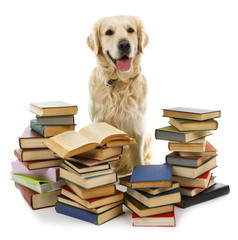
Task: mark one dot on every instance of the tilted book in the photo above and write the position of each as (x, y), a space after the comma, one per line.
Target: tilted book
(94, 135)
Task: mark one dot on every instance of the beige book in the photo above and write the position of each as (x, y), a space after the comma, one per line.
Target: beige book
(94, 135)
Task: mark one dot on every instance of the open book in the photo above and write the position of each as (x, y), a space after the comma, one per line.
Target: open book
(94, 135)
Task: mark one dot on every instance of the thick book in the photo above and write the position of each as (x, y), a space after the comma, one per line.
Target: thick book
(149, 176)
(62, 199)
(210, 150)
(126, 181)
(25, 155)
(93, 202)
(191, 113)
(102, 153)
(53, 108)
(198, 145)
(144, 211)
(199, 182)
(92, 193)
(55, 120)
(38, 185)
(191, 192)
(49, 131)
(191, 125)
(162, 199)
(194, 172)
(87, 216)
(88, 183)
(217, 190)
(37, 200)
(30, 139)
(161, 220)
(190, 161)
(51, 174)
(173, 134)
(94, 135)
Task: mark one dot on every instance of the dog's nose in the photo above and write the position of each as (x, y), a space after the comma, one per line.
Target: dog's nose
(124, 46)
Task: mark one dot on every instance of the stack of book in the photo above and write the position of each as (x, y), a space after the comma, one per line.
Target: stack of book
(36, 170)
(52, 118)
(151, 195)
(90, 192)
(193, 157)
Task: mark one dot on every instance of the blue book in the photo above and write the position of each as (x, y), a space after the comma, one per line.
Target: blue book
(151, 176)
(94, 218)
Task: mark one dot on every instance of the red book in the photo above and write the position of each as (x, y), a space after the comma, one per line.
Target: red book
(37, 200)
(93, 202)
(161, 220)
(201, 182)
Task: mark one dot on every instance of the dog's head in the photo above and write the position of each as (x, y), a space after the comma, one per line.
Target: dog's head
(118, 39)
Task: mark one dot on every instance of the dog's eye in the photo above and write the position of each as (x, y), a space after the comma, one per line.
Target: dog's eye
(130, 30)
(109, 32)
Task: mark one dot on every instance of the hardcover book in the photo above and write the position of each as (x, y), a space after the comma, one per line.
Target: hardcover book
(191, 113)
(172, 134)
(94, 135)
(93, 202)
(96, 219)
(149, 176)
(55, 120)
(38, 185)
(144, 211)
(30, 139)
(50, 174)
(161, 220)
(37, 200)
(162, 199)
(191, 125)
(53, 108)
(48, 131)
(217, 190)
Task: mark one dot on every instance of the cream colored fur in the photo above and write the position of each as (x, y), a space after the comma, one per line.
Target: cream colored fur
(122, 104)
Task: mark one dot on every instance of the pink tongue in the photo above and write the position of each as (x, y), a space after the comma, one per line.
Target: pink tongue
(124, 64)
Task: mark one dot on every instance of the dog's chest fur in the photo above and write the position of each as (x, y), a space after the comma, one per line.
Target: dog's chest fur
(120, 104)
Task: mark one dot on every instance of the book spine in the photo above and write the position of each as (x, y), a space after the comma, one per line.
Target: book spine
(37, 128)
(76, 213)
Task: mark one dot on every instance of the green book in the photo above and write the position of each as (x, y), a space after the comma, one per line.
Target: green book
(173, 134)
(38, 185)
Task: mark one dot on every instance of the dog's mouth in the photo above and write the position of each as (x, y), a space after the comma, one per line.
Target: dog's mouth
(123, 64)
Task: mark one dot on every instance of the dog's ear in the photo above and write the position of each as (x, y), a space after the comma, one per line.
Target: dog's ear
(93, 40)
(143, 38)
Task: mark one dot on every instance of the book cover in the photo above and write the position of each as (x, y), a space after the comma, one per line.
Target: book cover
(50, 174)
(30, 139)
(53, 108)
(87, 216)
(173, 134)
(191, 113)
(217, 190)
(36, 200)
(144, 176)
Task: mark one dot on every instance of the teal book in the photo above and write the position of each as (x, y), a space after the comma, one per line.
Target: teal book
(49, 131)
(90, 217)
(151, 176)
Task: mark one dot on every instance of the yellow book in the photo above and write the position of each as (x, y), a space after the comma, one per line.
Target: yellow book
(94, 135)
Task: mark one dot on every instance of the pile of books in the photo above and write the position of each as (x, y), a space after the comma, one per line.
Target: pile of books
(193, 157)
(151, 195)
(90, 192)
(36, 170)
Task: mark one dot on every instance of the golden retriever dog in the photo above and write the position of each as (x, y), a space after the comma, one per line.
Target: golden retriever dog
(117, 87)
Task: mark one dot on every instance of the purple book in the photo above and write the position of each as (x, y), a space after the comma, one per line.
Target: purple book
(51, 174)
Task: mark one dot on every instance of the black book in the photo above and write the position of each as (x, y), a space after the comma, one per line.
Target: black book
(215, 191)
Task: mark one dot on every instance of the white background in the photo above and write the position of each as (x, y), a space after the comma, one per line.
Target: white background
(191, 61)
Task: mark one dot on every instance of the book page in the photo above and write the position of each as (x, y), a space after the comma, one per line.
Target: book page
(102, 132)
